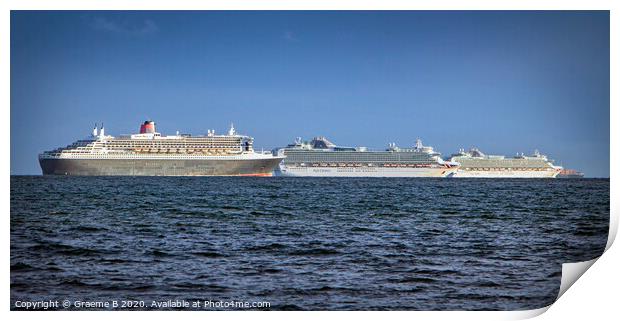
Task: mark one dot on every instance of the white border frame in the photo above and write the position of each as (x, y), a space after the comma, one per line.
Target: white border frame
(594, 295)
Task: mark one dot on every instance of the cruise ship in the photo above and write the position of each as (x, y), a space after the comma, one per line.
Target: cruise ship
(320, 157)
(148, 153)
(474, 163)
(570, 173)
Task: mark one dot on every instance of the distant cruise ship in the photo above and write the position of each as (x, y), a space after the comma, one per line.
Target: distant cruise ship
(151, 154)
(474, 163)
(320, 157)
(570, 173)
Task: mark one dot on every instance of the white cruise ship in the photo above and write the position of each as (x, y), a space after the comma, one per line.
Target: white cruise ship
(474, 163)
(322, 158)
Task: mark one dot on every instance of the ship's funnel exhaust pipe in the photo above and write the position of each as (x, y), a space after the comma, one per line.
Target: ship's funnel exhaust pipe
(147, 127)
(95, 130)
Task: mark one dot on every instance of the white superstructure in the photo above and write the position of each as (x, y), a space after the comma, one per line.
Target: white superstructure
(149, 144)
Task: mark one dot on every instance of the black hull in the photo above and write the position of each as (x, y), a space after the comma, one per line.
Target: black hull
(159, 167)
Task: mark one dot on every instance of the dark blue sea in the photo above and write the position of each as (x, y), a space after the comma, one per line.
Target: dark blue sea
(303, 243)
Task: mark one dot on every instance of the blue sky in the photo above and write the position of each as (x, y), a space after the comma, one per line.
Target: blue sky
(504, 82)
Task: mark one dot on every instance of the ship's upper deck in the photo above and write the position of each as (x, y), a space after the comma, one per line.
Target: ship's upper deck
(321, 150)
(474, 158)
(150, 142)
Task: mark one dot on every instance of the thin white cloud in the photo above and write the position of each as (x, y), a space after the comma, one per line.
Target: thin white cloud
(144, 27)
(290, 36)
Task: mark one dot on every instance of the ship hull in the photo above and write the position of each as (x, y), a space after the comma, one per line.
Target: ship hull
(159, 167)
(285, 170)
(505, 174)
